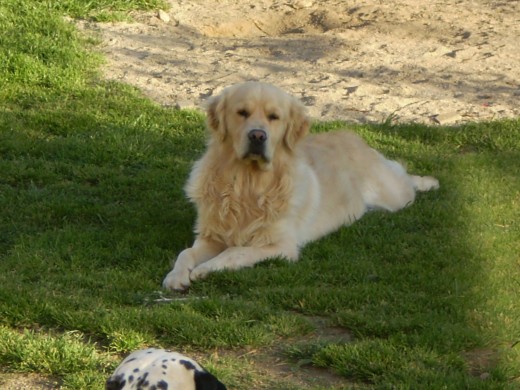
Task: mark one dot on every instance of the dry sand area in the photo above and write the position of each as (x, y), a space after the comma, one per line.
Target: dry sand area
(428, 61)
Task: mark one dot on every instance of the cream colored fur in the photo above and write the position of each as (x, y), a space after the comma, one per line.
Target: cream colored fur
(254, 207)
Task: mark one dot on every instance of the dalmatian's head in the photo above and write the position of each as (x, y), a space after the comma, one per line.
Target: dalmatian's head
(159, 369)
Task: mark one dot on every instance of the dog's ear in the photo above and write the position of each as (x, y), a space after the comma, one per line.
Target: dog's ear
(115, 382)
(298, 125)
(205, 381)
(216, 116)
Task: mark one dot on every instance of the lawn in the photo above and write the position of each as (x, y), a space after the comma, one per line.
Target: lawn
(92, 212)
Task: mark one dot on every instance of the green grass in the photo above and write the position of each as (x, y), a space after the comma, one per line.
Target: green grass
(104, 10)
(92, 211)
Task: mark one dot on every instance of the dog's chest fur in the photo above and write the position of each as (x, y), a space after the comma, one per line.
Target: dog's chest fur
(239, 206)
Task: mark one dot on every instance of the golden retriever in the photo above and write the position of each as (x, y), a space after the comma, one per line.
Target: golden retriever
(264, 188)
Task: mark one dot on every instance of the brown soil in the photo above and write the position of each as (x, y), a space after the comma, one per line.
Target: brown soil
(362, 61)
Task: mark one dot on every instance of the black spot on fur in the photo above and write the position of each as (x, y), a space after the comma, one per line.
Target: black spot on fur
(130, 379)
(189, 365)
(115, 383)
(164, 366)
(162, 385)
(136, 369)
(130, 360)
(142, 382)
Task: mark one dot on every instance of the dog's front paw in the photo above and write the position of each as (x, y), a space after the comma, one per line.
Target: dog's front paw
(177, 279)
(200, 272)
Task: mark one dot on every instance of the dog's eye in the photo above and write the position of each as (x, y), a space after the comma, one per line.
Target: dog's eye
(243, 113)
(273, 117)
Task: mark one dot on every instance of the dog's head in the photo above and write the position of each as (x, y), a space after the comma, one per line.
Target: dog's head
(161, 369)
(256, 120)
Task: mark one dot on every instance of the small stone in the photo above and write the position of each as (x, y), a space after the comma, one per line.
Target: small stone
(373, 278)
(299, 4)
(185, 105)
(309, 100)
(446, 118)
(163, 16)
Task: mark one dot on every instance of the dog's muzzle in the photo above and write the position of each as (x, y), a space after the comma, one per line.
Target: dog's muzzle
(257, 142)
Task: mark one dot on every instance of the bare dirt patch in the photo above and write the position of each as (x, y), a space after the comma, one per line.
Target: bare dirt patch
(26, 381)
(362, 61)
(274, 364)
(481, 361)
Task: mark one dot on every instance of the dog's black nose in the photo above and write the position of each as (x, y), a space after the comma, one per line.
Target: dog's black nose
(257, 136)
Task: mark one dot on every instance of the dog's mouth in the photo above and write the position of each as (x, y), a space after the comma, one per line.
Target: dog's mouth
(257, 157)
(259, 161)
(256, 153)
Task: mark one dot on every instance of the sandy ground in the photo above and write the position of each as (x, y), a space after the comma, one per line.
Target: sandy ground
(428, 61)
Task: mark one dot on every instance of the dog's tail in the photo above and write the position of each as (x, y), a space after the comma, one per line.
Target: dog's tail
(424, 183)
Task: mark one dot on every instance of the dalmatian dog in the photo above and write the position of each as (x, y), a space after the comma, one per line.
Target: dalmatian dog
(159, 369)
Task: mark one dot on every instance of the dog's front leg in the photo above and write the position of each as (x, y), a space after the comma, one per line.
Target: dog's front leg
(201, 251)
(241, 257)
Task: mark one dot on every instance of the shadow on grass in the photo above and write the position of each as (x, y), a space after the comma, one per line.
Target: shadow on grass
(90, 185)
(93, 209)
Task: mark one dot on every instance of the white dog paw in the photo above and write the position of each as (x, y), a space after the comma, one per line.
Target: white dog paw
(200, 272)
(177, 280)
